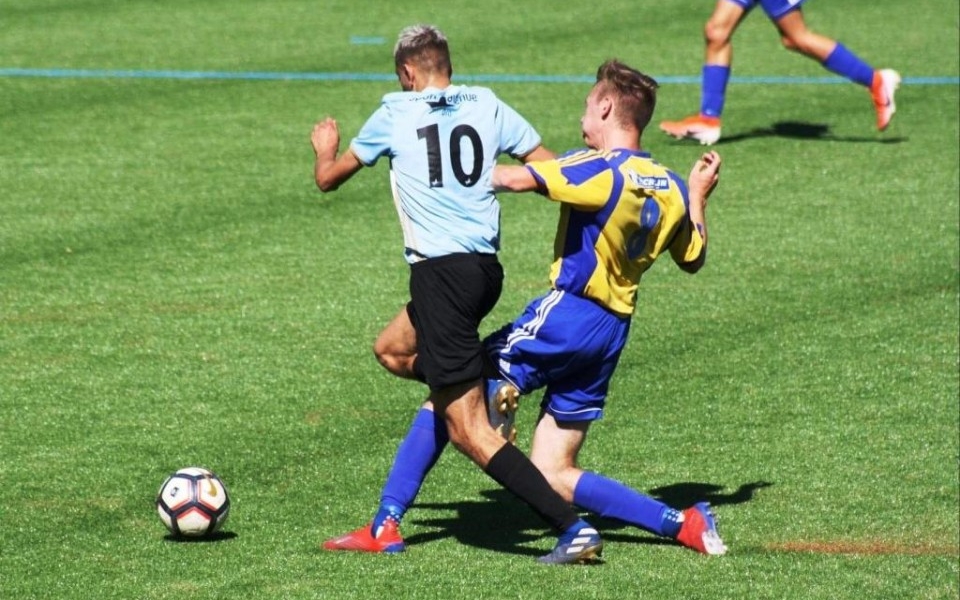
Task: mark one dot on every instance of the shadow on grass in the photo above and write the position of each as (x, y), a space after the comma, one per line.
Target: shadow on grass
(219, 536)
(686, 494)
(502, 523)
(797, 130)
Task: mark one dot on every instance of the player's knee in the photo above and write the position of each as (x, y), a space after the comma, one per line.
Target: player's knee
(716, 34)
(387, 358)
(384, 357)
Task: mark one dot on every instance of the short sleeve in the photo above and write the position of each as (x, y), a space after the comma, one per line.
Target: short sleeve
(517, 136)
(373, 139)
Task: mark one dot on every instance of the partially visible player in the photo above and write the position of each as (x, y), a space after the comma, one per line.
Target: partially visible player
(787, 16)
(442, 141)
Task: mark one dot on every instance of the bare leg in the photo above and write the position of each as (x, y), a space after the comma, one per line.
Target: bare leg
(554, 451)
(718, 33)
(795, 36)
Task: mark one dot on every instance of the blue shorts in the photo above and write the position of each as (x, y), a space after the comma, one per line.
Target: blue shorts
(567, 344)
(774, 8)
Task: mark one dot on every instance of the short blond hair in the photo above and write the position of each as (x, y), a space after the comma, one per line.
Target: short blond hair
(425, 46)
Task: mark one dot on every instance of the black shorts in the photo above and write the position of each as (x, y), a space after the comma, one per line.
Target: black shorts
(449, 296)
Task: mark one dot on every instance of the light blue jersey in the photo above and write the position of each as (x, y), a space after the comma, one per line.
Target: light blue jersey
(442, 146)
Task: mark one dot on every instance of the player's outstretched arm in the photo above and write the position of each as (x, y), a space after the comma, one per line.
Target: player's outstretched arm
(330, 171)
(512, 178)
(538, 153)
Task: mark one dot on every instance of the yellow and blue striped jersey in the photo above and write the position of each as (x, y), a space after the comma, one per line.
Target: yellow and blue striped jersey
(619, 211)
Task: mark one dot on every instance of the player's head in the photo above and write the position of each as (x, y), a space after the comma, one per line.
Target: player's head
(423, 47)
(631, 95)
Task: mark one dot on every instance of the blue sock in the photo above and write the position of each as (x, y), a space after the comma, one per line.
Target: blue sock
(612, 499)
(843, 62)
(418, 452)
(714, 89)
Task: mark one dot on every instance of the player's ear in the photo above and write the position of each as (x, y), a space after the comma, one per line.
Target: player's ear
(605, 104)
(405, 75)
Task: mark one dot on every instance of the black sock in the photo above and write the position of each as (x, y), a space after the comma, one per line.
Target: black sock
(514, 471)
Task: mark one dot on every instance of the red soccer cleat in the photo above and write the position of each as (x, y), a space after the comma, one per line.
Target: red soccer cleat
(699, 530)
(885, 83)
(388, 541)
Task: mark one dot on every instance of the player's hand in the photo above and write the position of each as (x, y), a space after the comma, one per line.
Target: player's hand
(705, 175)
(325, 137)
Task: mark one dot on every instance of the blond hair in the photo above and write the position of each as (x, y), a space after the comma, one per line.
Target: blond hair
(425, 46)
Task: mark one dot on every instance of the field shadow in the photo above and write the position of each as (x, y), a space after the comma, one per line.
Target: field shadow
(799, 130)
(502, 523)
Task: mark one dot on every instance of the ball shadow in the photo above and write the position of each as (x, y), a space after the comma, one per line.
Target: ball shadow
(219, 536)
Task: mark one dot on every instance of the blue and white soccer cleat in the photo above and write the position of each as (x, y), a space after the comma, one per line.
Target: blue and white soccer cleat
(579, 545)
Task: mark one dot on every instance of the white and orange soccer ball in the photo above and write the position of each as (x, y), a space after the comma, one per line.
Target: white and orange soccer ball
(193, 502)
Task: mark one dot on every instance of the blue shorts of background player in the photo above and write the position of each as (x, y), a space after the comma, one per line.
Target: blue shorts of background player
(566, 344)
(774, 8)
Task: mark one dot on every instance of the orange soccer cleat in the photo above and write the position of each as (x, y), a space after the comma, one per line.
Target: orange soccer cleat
(885, 84)
(705, 130)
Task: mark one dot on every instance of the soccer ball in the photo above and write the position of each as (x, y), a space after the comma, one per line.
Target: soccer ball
(193, 502)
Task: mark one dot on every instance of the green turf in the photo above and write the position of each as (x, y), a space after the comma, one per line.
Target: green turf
(174, 291)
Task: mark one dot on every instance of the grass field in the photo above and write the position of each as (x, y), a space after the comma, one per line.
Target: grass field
(174, 291)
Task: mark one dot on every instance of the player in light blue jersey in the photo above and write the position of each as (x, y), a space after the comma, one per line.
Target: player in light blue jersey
(787, 16)
(442, 141)
(442, 145)
(620, 211)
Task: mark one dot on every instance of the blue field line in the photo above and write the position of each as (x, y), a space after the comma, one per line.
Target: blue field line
(493, 78)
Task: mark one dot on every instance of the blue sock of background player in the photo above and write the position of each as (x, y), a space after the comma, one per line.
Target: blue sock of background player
(427, 438)
(840, 61)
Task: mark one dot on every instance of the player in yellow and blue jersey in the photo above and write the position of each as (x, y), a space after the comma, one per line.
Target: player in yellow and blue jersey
(620, 211)
(442, 141)
(787, 16)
